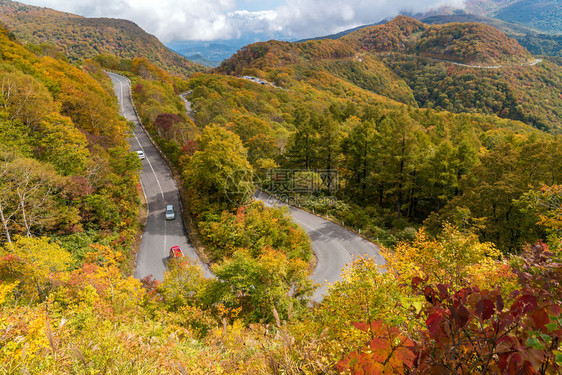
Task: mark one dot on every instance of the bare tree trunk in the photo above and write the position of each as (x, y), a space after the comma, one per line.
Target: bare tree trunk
(3, 217)
(24, 192)
(5, 225)
(22, 195)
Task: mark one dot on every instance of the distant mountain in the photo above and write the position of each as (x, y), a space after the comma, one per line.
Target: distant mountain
(214, 52)
(542, 15)
(200, 59)
(420, 64)
(535, 42)
(81, 38)
(206, 53)
(469, 43)
(483, 7)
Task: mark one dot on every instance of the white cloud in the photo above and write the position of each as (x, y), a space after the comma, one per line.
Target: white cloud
(167, 19)
(307, 18)
(222, 19)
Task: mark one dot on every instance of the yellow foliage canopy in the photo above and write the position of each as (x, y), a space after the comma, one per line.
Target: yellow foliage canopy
(445, 259)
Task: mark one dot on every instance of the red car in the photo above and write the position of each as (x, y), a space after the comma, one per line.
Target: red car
(175, 252)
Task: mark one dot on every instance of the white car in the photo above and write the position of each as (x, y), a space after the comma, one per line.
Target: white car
(140, 155)
(170, 213)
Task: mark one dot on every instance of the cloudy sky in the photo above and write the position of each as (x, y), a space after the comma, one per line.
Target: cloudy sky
(173, 20)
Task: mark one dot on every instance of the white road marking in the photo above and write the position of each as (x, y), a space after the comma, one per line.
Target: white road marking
(122, 100)
(150, 165)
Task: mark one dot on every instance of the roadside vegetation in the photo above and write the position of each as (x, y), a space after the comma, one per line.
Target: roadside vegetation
(65, 172)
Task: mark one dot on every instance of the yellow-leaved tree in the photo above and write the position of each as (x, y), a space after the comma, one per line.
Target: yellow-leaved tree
(447, 259)
(36, 263)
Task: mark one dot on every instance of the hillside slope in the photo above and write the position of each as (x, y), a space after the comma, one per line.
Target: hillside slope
(80, 38)
(471, 43)
(405, 57)
(335, 59)
(66, 171)
(413, 50)
(535, 42)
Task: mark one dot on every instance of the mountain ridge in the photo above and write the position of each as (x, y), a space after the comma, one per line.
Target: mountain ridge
(406, 57)
(80, 37)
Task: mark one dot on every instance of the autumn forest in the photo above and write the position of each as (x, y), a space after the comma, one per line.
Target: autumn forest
(401, 133)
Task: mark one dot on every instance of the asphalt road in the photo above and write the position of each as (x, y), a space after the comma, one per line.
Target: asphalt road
(335, 246)
(530, 63)
(160, 189)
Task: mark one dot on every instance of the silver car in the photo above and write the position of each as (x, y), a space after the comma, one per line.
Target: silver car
(170, 213)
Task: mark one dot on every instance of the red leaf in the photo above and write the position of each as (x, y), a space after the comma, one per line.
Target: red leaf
(535, 359)
(513, 363)
(443, 291)
(540, 318)
(499, 302)
(377, 327)
(523, 305)
(527, 368)
(429, 294)
(485, 309)
(502, 363)
(361, 326)
(463, 293)
(416, 281)
(514, 294)
(434, 321)
(505, 321)
(460, 314)
(504, 345)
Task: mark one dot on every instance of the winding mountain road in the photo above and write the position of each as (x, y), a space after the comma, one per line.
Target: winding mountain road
(160, 189)
(335, 246)
(529, 63)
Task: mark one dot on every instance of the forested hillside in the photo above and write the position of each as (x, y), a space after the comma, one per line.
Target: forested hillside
(511, 91)
(80, 38)
(66, 171)
(405, 57)
(537, 43)
(337, 58)
(470, 43)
